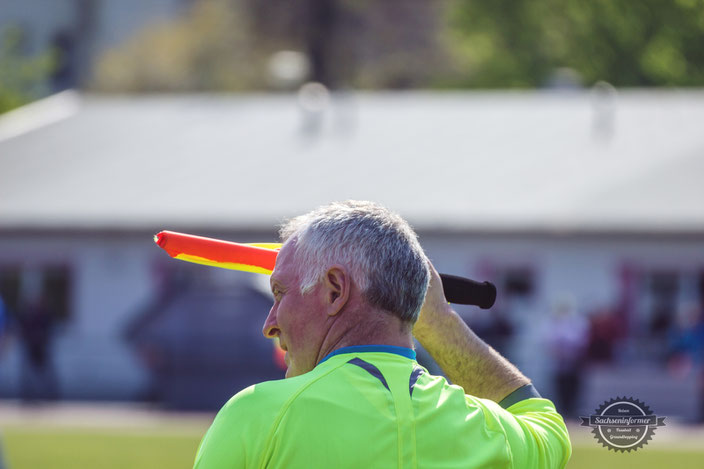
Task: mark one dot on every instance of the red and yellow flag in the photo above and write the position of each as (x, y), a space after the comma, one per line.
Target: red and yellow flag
(254, 257)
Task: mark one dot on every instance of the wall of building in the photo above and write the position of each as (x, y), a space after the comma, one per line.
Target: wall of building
(108, 279)
(598, 273)
(113, 278)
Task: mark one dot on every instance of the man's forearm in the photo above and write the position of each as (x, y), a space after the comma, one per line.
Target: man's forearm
(466, 359)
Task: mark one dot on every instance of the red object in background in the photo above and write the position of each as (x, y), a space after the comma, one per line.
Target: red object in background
(279, 354)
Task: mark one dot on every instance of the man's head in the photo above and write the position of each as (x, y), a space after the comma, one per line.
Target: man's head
(332, 254)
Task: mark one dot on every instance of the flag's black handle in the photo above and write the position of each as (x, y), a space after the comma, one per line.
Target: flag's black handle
(463, 291)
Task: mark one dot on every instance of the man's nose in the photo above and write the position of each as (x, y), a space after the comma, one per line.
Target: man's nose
(271, 328)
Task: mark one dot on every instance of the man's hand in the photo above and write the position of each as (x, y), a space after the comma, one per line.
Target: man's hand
(434, 309)
(466, 359)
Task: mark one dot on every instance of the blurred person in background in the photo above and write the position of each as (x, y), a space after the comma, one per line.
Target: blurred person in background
(497, 330)
(686, 351)
(687, 336)
(605, 330)
(35, 325)
(567, 338)
(3, 326)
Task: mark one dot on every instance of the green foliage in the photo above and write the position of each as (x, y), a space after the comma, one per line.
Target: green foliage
(209, 48)
(520, 43)
(225, 44)
(22, 79)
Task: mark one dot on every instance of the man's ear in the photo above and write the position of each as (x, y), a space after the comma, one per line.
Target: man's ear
(337, 288)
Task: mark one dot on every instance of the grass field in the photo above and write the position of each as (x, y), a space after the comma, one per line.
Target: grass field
(130, 439)
(82, 448)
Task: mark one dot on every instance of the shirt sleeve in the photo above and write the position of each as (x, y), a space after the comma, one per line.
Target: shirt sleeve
(535, 433)
(220, 448)
(229, 442)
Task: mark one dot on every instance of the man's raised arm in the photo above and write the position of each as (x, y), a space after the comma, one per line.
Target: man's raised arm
(466, 359)
(534, 431)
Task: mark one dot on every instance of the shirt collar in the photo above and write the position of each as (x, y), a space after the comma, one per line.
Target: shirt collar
(403, 351)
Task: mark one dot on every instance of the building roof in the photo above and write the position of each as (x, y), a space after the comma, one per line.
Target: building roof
(580, 161)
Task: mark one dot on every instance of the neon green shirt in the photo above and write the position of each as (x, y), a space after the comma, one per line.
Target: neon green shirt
(361, 408)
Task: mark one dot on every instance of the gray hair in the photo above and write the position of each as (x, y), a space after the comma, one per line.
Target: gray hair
(379, 247)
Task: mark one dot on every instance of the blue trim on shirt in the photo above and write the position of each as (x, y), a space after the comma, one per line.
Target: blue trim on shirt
(526, 391)
(403, 351)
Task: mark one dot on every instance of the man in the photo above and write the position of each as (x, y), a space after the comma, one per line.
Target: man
(349, 285)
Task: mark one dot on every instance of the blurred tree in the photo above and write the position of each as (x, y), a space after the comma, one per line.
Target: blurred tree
(226, 45)
(359, 43)
(22, 78)
(521, 43)
(396, 44)
(210, 48)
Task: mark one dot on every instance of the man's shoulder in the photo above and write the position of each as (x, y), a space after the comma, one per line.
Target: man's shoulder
(268, 398)
(258, 397)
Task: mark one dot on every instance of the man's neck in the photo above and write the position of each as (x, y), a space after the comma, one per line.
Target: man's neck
(368, 328)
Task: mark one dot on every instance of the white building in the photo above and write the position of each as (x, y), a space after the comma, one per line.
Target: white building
(592, 195)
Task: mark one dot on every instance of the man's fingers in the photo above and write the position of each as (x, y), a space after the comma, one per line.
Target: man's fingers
(434, 306)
